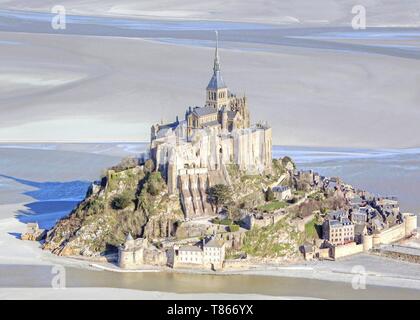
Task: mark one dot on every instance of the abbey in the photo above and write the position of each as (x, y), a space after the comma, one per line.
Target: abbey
(192, 153)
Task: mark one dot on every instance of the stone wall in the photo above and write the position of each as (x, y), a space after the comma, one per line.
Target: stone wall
(390, 235)
(346, 250)
(301, 222)
(252, 220)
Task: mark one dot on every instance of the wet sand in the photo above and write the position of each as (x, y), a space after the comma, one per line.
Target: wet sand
(274, 286)
(99, 79)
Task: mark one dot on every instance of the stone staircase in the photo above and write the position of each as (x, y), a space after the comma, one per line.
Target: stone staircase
(193, 192)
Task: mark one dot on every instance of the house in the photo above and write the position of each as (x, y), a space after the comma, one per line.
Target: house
(357, 202)
(358, 217)
(208, 254)
(337, 214)
(282, 192)
(338, 231)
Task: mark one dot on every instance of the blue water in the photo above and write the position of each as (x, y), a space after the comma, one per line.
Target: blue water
(363, 35)
(307, 155)
(13, 43)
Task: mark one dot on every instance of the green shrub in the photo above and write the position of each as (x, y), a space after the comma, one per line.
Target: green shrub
(225, 222)
(121, 201)
(269, 195)
(220, 195)
(272, 206)
(154, 183)
(233, 228)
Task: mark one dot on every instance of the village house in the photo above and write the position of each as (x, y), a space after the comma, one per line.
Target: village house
(208, 254)
(282, 192)
(358, 216)
(337, 228)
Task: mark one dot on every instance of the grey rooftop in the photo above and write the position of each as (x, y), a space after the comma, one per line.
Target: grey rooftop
(203, 111)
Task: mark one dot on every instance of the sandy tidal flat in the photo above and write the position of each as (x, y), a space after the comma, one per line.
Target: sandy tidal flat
(103, 88)
(285, 12)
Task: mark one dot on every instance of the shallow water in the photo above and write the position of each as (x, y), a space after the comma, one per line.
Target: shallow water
(41, 276)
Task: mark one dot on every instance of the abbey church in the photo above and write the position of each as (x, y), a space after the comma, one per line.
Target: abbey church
(192, 154)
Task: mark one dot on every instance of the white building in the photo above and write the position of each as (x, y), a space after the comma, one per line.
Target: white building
(282, 192)
(210, 255)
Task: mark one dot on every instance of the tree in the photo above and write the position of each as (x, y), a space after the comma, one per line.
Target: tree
(154, 183)
(121, 201)
(269, 195)
(220, 195)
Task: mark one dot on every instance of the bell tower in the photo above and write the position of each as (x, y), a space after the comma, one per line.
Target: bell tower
(217, 91)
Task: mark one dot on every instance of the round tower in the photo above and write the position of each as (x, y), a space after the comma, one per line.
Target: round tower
(376, 240)
(410, 220)
(367, 242)
(125, 253)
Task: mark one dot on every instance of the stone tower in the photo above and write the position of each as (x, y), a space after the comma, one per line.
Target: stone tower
(217, 91)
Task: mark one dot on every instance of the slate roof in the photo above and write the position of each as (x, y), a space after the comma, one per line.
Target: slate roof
(216, 81)
(203, 111)
(214, 244)
(280, 188)
(337, 214)
(189, 248)
(231, 115)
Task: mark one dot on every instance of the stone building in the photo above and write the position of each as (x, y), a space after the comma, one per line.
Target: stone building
(208, 255)
(337, 229)
(192, 153)
(282, 192)
(358, 217)
(135, 253)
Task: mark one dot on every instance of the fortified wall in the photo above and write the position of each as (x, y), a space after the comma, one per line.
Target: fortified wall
(393, 234)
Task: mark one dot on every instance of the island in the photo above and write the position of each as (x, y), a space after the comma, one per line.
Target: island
(208, 195)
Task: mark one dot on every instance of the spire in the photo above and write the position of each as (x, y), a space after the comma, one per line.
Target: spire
(216, 55)
(216, 81)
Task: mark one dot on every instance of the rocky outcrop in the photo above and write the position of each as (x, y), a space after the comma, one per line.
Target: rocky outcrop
(136, 200)
(100, 223)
